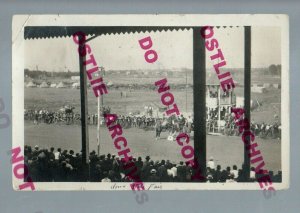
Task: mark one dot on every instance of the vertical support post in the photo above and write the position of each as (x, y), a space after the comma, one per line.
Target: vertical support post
(247, 93)
(219, 108)
(199, 80)
(84, 115)
(98, 125)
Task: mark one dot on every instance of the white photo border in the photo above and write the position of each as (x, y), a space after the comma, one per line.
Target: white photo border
(21, 21)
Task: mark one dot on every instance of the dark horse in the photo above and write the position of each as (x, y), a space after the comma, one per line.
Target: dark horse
(68, 111)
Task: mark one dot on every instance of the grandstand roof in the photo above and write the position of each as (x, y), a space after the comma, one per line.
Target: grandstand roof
(42, 32)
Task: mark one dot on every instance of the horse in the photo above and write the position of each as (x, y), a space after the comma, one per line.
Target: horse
(68, 111)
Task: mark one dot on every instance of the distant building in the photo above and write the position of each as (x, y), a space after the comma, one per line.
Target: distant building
(75, 78)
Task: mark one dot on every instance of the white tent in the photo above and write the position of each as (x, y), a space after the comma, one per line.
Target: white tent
(31, 84)
(76, 85)
(110, 83)
(61, 85)
(44, 85)
(53, 85)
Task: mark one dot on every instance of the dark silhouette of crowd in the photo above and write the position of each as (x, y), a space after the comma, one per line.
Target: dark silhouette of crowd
(66, 166)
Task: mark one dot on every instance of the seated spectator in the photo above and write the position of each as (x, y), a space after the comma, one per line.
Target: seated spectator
(235, 172)
(105, 179)
(211, 163)
(218, 174)
(252, 174)
(57, 154)
(48, 166)
(209, 178)
(153, 177)
(231, 179)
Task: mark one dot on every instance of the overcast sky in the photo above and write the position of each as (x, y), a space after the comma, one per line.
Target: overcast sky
(174, 49)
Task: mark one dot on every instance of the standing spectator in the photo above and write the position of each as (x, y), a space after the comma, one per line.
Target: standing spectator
(36, 151)
(51, 153)
(158, 129)
(162, 172)
(174, 171)
(57, 154)
(146, 167)
(139, 165)
(181, 172)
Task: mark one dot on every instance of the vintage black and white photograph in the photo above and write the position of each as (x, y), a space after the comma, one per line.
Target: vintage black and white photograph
(181, 102)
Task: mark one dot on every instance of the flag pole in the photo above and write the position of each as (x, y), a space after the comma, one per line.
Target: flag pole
(98, 126)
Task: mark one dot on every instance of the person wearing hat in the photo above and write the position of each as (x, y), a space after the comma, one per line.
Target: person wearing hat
(181, 172)
(146, 168)
(36, 151)
(107, 164)
(146, 162)
(51, 153)
(139, 165)
(162, 171)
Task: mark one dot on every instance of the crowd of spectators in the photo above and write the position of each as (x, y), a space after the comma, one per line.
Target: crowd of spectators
(66, 166)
